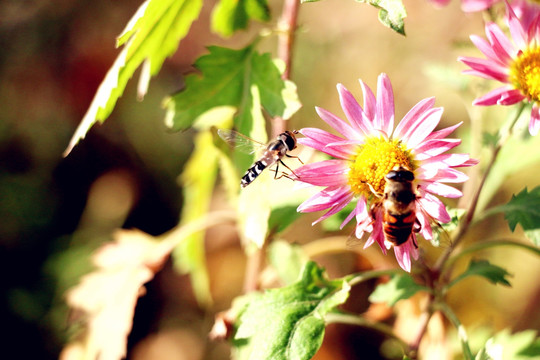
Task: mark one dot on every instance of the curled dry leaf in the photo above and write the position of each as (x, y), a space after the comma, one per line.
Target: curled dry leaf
(108, 295)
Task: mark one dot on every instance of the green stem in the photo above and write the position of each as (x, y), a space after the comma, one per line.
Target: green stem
(464, 226)
(351, 319)
(462, 334)
(489, 244)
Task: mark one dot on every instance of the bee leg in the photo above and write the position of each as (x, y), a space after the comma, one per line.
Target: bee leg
(296, 157)
(379, 195)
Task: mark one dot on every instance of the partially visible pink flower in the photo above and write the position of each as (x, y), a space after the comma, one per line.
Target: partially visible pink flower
(515, 62)
(367, 148)
(469, 5)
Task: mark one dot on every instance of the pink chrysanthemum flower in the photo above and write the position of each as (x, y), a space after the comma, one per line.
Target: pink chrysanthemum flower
(469, 5)
(516, 63)
(369, 149)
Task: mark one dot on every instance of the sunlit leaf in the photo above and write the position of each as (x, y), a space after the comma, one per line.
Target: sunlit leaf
(401, 286)
(493, 273)
(108, 295)
(288, 323)
(254, 200)
(151, 35)
(229, 16)
(391, 13)
(523, 345)
(198, 181)
(227, 78)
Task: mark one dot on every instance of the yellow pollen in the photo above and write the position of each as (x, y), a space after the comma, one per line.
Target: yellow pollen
(525, 73)
(373, 161)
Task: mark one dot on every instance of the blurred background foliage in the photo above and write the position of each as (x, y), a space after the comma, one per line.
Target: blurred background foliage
(55, 211)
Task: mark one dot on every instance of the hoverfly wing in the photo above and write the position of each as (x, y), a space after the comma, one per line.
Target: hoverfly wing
(240, 141)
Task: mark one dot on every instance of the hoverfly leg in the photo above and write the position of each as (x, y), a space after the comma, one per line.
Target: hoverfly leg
(296, 157)
(284, 174)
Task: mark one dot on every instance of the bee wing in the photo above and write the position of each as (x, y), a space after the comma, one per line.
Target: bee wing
(240, 141)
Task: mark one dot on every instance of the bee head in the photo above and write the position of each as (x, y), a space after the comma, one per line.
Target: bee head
(400, 175)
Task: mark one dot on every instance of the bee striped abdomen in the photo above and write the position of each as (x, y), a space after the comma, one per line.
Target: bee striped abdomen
(398, 228)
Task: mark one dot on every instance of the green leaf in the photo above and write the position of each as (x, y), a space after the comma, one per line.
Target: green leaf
(523, 345)
(490, 140)
(198, 181)
(287, 259)
(391, 13)
(150, 36)
(288, 323)
(283, 216)
(229, 16)
(401, 286)
(493, 273)
(524, 209)
(508, 164)
(228, 78)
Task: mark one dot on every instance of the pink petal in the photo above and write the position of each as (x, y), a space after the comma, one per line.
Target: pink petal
(485, 68)
(425, 226)
(411, 117)
(476, 5)
(422, 127)
(434, 208)
(324, 199)
(335, 209)
(510, 98)
(450, 176)
(440, 3)
(370, 102)
(446, 160)
(435, 147)
(323, 173)
(385, 105)
(443, 190)
(377, 235)
(519, 34)
(318, 139)
(502, 47)
(492, 98)
(486, 48)
(534, 124)
(341, 126)
(403, 255)
(353, 111)
(440, 134)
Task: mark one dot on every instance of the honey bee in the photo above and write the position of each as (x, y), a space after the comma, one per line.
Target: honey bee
(398, 203)
(272, 154)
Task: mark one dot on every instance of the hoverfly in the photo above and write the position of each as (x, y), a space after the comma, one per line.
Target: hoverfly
(272, 154)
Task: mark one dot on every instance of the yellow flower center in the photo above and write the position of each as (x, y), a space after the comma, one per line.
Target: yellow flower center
(525, 73)
(373, 161)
